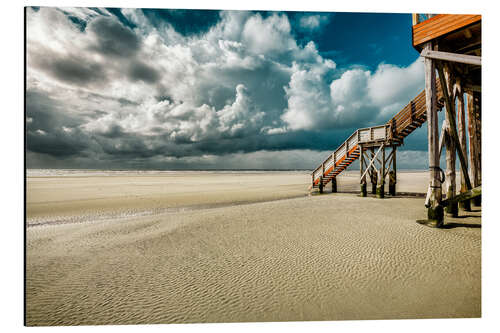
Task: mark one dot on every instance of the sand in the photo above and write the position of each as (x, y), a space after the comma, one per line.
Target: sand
(179, 247)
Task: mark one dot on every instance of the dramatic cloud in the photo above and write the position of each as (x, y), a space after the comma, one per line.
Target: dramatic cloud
(358, 97)
(136, 88)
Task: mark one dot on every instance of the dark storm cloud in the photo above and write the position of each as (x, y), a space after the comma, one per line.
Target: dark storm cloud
(141, 71)
(149, 88)
(113, 39)
(50, 130)
(70, 69)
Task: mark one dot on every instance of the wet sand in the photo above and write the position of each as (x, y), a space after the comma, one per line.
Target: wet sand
(141, 248)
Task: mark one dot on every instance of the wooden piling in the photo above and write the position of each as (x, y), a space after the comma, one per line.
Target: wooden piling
(334, 185)
(321, 184)
(474, 144)
(435, 212)
(462, 136)
(393, 174)
(450, 183)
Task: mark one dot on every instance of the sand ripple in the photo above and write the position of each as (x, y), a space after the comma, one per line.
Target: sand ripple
(314, 258)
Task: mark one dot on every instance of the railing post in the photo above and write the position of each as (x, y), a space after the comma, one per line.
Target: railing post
(412, 110)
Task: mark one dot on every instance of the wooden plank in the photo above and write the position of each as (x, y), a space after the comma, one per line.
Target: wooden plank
(428, 35)
(445, 22)
(440, 25)
(455, 57)
(438, 31)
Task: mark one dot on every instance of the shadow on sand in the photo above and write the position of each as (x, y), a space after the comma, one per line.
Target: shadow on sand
(452, 225)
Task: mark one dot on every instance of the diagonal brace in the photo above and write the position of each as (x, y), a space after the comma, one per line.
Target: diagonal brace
(453, 127)
(372, 161)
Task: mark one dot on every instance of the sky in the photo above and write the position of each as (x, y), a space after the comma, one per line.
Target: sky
(205, 89)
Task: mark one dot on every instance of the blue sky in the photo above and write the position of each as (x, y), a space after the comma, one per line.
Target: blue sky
(191, 89)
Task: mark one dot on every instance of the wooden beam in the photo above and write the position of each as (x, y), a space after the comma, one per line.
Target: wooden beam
(471, 194)
(453, 127)
(455, 57)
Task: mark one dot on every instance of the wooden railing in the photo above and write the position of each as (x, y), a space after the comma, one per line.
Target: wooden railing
(362, 135)
(414, 110)
(414, 113)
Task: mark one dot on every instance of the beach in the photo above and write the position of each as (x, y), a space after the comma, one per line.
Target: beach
(131, 247)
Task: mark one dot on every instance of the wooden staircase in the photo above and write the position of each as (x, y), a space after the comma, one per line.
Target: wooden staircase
(392, 133)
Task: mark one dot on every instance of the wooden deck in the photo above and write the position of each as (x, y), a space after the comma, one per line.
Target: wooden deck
(440, 26)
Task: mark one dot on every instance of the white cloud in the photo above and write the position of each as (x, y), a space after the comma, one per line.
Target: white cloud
(269, 36)
(313, 22)
(358, 98)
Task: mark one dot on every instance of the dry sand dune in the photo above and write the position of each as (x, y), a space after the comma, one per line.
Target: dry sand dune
(328, 257)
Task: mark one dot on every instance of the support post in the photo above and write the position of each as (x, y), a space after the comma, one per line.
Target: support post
(474, 143)
(373, 178)
(393, 174)
(363, 192)
(465, 205)
(321, 184)
(450, 185)
(381, 180)
(435, 212)
(334, 184)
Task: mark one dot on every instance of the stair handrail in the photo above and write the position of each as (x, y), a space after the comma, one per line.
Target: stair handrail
(346, 143)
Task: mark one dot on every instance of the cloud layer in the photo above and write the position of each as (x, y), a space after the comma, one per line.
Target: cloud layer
(132, 90)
